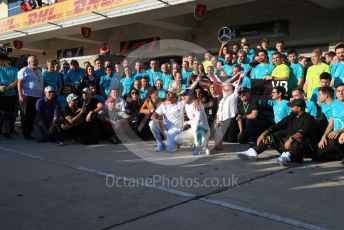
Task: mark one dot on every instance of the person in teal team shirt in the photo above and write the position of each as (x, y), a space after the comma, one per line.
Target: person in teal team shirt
(250, 52)
(166, 78)
(105, 82)
(228, 65)
(264, 43)
(144, 88)
(329, 147)
(161, 91)
(244, 80)
(127, 82)
(264, 68)
(153, 72)
(75, 74)
(100, 70)
(338, 68)
(326, 99)
(325, 80)
(51, 77)
(279, 105)
(296, 71)
(311, 107)
(242, 61)
(186, 72)
(138, 73)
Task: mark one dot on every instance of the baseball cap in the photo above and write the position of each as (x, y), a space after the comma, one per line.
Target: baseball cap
(49, 89)
(171, 90)
(187, 92)
(244, 90)
(297, 102)
(87, 90)
(71, 97)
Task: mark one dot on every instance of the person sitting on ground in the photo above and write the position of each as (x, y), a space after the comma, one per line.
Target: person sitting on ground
(93, 109)
(249, 118)
(46, 123)
(329, 147)
(292, 137)
(73, 116)
(133, 106)
(198, 134)
(167, 120)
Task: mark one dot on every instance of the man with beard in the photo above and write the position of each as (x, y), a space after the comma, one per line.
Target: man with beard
(264, 68)
(291, 137)
(168, 120)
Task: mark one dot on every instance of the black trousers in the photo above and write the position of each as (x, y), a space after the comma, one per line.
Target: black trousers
(29, 111)
(332, 152)
(298, 149)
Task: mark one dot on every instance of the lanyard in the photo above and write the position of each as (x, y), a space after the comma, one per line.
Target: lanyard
(246, 107)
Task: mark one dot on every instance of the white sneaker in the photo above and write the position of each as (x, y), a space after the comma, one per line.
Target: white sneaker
(207, 152)
(160, 148)
(172, 150)
(284, 159)
(250, 154)
(196, 151)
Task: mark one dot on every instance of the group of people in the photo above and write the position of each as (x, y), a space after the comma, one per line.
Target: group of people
(35, 4)
(189, 104)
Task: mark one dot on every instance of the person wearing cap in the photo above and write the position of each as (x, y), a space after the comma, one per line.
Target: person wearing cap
(167, 120)
(292, 137)
(329, 147)
(74, 125)
(93, 109)
(30, 89)
(198, 134)
(47, 117)
(249, 119)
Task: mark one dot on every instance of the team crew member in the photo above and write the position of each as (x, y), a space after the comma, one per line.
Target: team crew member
(167, 120)
(30, 89)
(291, 137)
(198, 134)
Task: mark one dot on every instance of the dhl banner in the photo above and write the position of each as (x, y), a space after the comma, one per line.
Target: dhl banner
(59, 11)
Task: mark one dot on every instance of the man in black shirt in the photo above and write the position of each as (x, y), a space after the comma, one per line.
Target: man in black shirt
(292, 136)
(250, 124)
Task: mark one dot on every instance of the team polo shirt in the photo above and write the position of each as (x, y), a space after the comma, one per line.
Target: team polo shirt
(104, 83)
(338, 114)
(153, 76)
(52, 79)
(281, 110)
(173, 114)
(337, 72)
(6, 78)
(296, 72)
(260, 71)
(327, 109)
(186, 76)
(143, 94)
(311, 108)
(166, 80)
(316, 93)
(246, 82)
(138, 75)
(75, 76)
(127, 84)
(281, 71)
(228, 69)
(313, 77)
(162, 94)
(206, 64)
(246, 67)
(99, 73)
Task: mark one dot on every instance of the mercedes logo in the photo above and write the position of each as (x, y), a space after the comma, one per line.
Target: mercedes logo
(224, 35)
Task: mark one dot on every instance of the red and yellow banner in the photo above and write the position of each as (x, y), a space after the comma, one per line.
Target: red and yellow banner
(59, 11)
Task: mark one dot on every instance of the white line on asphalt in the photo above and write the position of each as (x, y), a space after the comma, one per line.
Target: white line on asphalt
(208, 200)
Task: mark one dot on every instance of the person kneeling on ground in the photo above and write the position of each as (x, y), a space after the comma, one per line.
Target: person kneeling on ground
(46, 123)
(168, 120)
(198, 134)
(292, 136)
